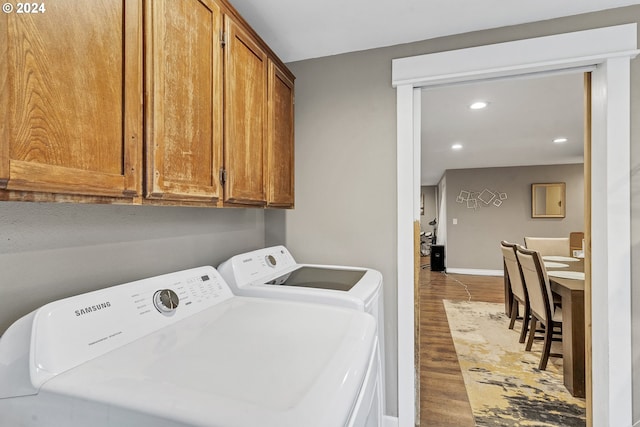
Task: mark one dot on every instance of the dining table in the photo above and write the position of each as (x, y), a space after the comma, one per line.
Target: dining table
(566, 278)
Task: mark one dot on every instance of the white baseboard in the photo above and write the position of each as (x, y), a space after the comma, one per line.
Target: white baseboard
(389, 421)
(476, 272)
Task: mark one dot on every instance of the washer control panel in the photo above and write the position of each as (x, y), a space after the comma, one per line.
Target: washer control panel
(251, 266)
(71, 331)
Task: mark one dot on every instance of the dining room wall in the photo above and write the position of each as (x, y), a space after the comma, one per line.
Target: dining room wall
(430, 203)
(475, 228)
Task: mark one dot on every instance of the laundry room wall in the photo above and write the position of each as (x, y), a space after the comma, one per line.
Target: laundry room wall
(345, 175)
(50, 251)
(346, 162)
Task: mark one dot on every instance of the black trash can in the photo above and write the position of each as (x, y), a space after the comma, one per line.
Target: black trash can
(437, 258)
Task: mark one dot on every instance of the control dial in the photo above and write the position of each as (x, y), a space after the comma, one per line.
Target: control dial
(166, 301)
(271, 260)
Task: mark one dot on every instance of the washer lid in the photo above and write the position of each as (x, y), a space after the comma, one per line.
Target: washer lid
(240, 362)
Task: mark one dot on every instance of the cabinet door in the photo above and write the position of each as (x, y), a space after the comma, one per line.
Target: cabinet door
(70, 99)
(245, 117)
(280, 146)
(184, 98)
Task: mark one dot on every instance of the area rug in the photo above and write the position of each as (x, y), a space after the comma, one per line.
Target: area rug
(504, 385)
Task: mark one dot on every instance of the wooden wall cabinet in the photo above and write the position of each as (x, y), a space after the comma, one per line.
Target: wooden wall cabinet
(71, 100)
(183, 100)
(217, 113)
(245, 132)
(280, 147)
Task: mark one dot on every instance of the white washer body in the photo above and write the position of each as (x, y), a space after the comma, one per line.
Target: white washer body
(182, 350)
(273, 273)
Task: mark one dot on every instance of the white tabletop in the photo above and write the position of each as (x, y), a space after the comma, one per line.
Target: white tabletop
(559, 258)
(551, 264)
(576, 275)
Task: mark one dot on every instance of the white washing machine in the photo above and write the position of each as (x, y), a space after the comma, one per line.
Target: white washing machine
(182, 350)
(274, 273)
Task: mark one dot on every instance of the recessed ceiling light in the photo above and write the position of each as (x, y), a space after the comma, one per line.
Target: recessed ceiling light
(478, 105)
(456, 147)
(560, 140)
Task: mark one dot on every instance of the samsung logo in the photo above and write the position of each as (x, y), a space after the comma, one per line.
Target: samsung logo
(91, 309)
(246, 260)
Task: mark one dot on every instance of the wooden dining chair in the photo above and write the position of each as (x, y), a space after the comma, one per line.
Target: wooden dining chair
(558, 246)
(543, 311)
(575, 241)
(518, 290)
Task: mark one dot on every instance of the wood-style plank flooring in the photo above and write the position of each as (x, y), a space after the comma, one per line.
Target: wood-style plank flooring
(443, 397)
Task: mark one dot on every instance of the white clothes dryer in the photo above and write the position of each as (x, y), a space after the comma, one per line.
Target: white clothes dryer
(182, 350)
(274, 273)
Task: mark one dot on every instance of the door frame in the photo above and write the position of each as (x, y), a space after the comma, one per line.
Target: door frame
(610, 50)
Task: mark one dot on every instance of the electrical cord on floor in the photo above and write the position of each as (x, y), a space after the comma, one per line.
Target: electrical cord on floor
(466, 288)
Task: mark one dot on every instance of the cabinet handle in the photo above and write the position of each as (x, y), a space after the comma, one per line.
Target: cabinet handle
(223, 38)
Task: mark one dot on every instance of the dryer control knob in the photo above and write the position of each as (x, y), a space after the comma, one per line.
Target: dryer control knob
(166, 301)
(271, 260)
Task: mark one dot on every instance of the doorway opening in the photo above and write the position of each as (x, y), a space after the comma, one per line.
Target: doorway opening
(502, 149)
(609, 50)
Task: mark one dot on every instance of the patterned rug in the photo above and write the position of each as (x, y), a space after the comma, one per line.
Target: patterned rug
(504, 385)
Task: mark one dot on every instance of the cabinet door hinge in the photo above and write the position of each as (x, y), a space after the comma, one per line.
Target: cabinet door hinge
(223, 176)
(223, 38)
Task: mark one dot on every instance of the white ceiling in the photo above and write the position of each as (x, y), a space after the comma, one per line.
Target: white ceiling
(517, 128)
(299, 29)
(524, 115)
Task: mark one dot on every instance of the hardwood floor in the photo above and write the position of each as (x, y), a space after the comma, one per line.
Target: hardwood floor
(443, 397)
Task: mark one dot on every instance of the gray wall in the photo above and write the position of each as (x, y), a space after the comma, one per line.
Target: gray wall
(429, 193)
(346, 160)
(51, 251)
(474, 241)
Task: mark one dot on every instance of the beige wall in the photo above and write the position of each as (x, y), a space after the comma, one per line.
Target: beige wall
(474, 241)
(346, 160)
